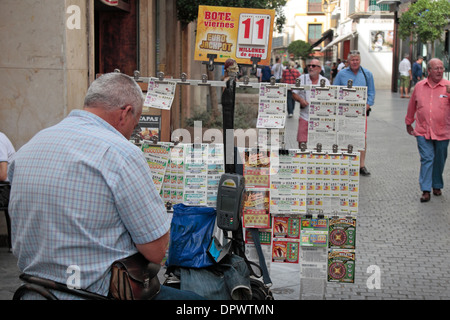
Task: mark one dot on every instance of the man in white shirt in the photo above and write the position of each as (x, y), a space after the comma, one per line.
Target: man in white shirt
(6, 152)
(277, 70)
(341, 65)
(313, 77)
(405, 76)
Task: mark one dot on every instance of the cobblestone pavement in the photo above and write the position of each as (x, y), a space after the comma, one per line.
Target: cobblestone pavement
(406, 239)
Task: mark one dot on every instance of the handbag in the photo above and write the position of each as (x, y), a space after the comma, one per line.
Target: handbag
(134, 278)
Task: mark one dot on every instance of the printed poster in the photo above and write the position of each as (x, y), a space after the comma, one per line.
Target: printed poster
(237, 33)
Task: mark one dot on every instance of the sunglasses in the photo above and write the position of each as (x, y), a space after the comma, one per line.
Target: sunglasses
(354, 52)
(313, 66)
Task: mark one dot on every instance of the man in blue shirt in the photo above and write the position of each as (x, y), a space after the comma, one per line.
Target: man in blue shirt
(417, 72)
(82, 194)
(360, 77)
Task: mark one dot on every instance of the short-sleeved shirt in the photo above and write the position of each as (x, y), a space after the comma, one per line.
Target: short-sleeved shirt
(363, 78)
(82, 196)
(404, 67)
(305, 94)
(6, 149)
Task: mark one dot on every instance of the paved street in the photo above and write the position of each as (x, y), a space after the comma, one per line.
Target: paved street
(406, 239)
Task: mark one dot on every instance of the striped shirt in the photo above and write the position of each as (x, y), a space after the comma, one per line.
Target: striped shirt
(82, 195)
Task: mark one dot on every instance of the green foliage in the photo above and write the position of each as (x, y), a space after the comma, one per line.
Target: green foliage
(425, 20)
(300, 49)
(244, 118)
(187, 10)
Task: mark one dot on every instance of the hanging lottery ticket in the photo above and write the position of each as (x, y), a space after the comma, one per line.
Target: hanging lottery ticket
(160, 94)
(272, 106)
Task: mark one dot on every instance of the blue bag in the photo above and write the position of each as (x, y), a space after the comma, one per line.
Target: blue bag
(190, 235)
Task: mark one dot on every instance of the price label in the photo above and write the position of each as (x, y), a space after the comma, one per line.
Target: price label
(253, 35)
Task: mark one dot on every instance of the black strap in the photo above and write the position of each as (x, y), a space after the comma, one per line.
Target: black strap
(262, 261)
(365, 77)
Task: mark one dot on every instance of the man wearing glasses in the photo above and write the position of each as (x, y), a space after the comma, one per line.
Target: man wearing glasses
(82, 194)
(429, 107)
(313, 77)
(360, 77)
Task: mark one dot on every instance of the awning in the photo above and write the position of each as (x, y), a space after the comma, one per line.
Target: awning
(325, 35)
(110, 2)
(112, 5)
(339, 39)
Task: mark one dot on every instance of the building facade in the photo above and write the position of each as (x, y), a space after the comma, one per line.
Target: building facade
(52, 50)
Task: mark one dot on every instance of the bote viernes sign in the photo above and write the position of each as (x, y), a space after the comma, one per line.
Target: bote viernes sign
(236, 33)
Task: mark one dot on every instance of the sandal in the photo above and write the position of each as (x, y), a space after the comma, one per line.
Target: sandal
(437, 192)
(425, 196)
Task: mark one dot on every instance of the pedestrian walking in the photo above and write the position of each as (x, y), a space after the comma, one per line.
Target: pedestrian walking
(404, 68)
(429, 108)
(313, 77)
(277, 70)
(290, 75)
(417, 73)
(360, 77)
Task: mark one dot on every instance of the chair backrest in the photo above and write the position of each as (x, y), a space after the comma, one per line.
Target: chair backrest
(43, 286)
(5, 189)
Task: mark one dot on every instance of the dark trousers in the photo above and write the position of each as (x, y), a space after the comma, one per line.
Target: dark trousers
(290, 103)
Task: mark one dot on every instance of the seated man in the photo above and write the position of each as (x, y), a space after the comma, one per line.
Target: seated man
(82, 195)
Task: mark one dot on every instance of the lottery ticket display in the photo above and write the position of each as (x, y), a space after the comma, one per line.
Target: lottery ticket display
(272, 106)
(160, 94)
(337, 115)
(186, 173)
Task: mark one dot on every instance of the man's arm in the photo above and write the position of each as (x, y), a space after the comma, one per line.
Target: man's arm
(154, 251)
(3, 171)
(370, 89)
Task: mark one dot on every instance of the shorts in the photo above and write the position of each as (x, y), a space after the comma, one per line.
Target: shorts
(302, 133)
(404, 81)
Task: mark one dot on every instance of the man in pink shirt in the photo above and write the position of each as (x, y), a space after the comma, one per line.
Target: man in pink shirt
(429, 107)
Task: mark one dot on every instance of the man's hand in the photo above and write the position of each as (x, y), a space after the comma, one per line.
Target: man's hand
(410, 129)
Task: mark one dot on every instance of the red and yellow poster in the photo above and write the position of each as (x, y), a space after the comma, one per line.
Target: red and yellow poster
(236, 33)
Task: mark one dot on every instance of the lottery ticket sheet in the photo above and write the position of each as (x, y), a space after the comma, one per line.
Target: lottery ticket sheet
(216, 168)
(314, 232)
(342, 233)
(255, 211)
(286, 239)
(192, 174)
(272, 106)
(157, 156)
(256, 169)
(287, 183)
(160, 94)
(341, 266)
(313, 272)
(337, 116)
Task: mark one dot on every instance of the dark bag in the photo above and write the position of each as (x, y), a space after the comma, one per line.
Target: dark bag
(134, 278)
(5, 189)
